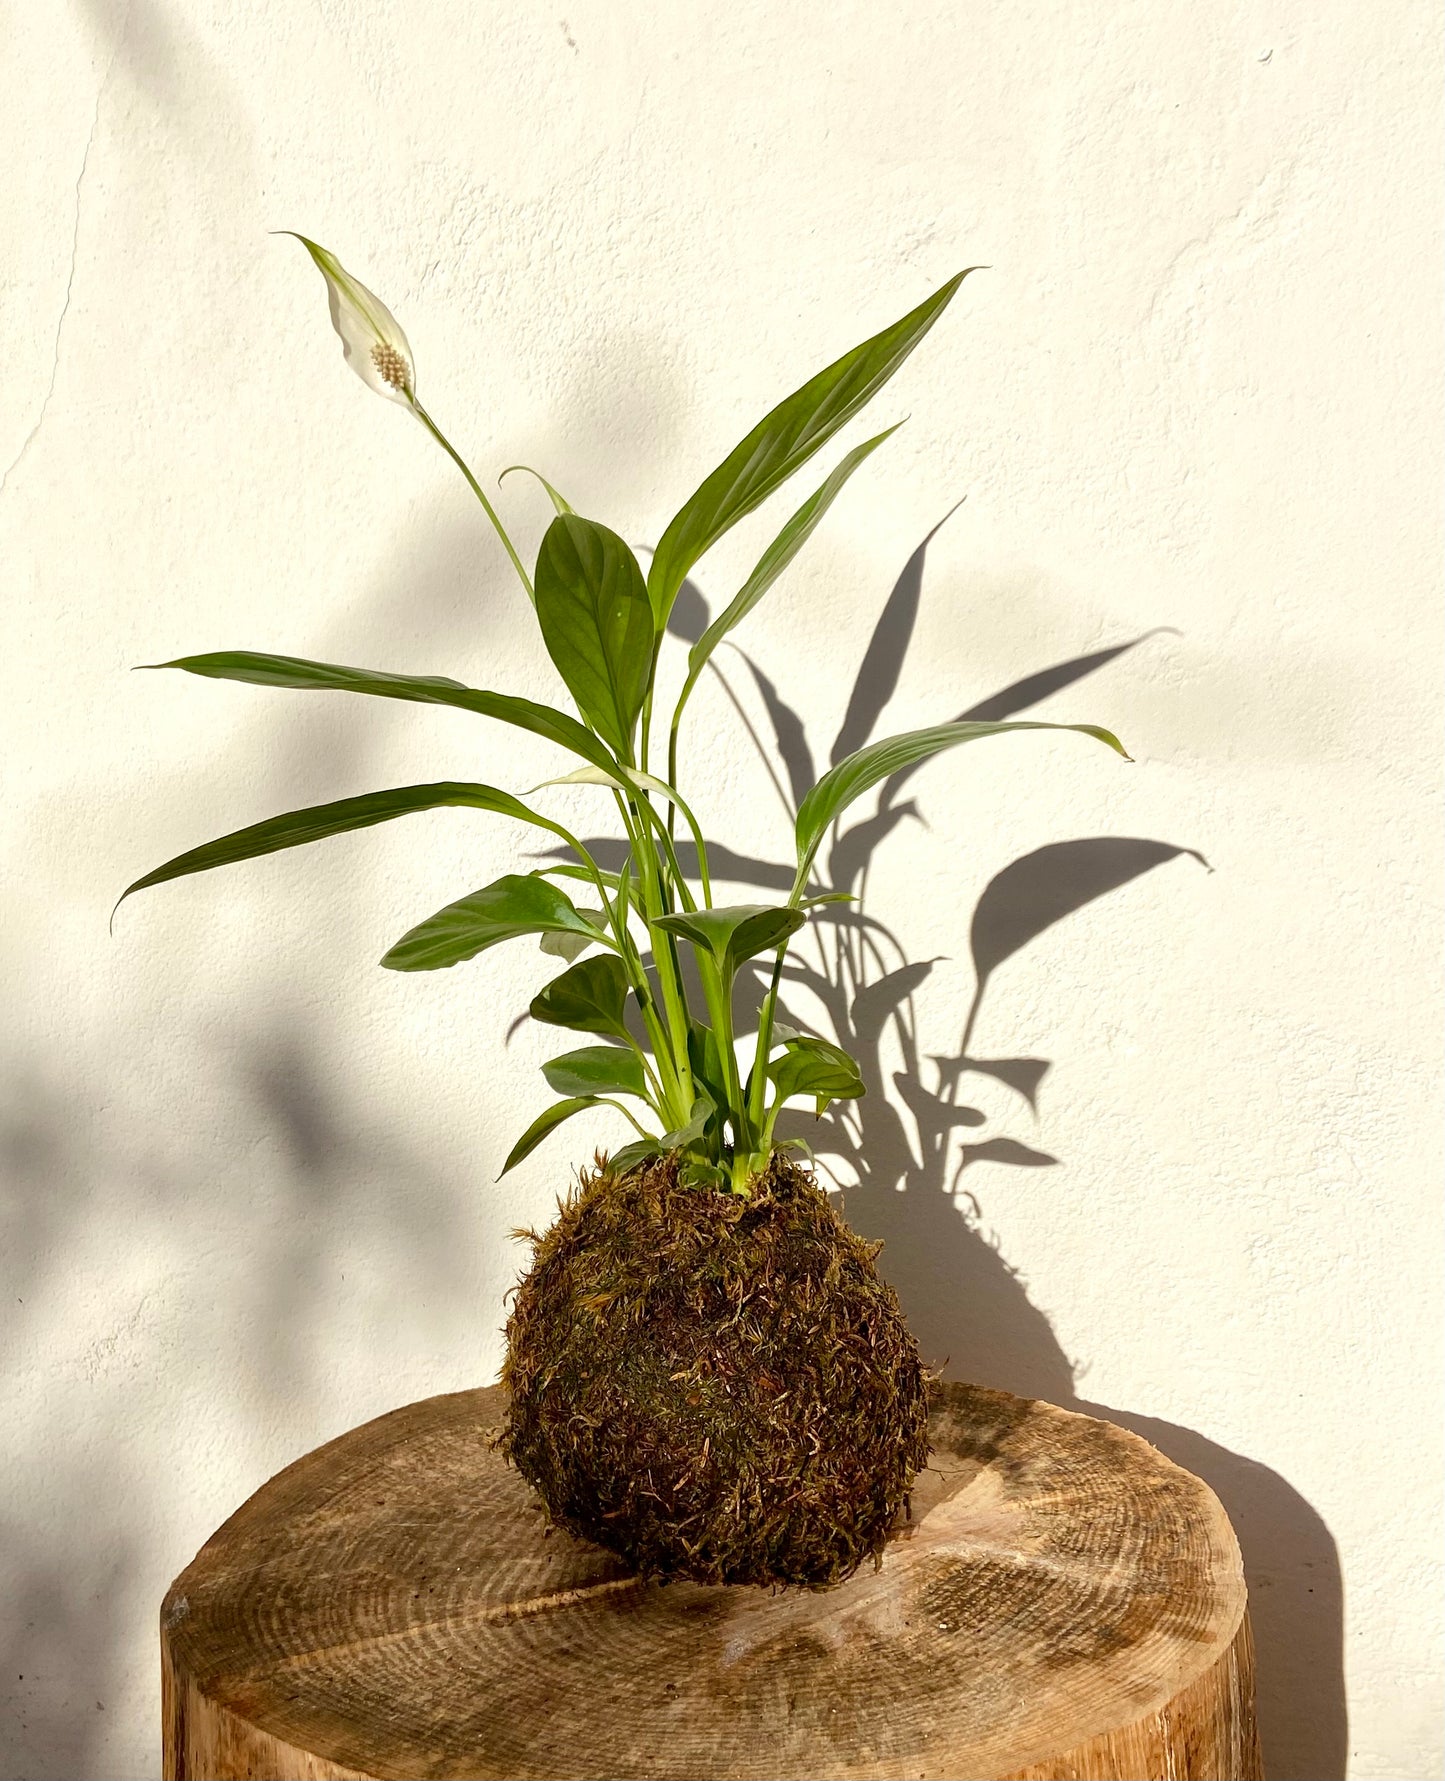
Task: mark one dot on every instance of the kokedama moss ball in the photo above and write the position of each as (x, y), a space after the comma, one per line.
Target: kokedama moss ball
(714, 1387)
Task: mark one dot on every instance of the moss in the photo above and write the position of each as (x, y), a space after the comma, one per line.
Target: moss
(714, 1387)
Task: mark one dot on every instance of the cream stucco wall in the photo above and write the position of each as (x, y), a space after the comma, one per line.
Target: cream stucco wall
(249, 1176)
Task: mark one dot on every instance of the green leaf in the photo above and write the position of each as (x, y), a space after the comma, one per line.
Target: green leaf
(814, 1067)
(558, 501)
(298, 827)
(705, 1060)
(597, 1070)
(641, 1150)
(735, 933)
(856, 773)
(774, 560)
(570, 946)
(696, 1171)
(425, 689)
(782, 442)
(512, 906)
(609, 879)
(543, 1126)
(703, 1109)
(590, 998)
(596, 623)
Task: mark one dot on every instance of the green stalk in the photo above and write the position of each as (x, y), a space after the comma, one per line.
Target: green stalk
(664, 947)
(658, 1096)
(672, 752)
(669, 981)
(594, 871)
(800, 880)
(670, 853)
(671, 1087)
(641, 1130)
(672, 778)
(477, 490)
(646, 735)
(676, 801)
(719, 1007)
(641, 988)
(632, 961)
(673, 1047)
(758, 1089)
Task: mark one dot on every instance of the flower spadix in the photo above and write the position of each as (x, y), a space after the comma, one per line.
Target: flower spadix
(372, 339)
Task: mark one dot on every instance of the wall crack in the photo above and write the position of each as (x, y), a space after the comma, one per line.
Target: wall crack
(39, 421)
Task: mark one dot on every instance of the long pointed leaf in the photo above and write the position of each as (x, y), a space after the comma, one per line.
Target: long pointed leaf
(782, 442)
(544, 1125)
(858, 772)
(298, 827)
(596, 622)
(775, 559)
(510, 907)
(427, 689)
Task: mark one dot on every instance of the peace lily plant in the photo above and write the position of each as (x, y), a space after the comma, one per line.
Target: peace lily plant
(705, 1371)
(677, 1076)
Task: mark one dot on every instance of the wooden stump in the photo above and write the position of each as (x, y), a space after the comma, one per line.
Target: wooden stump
(1065, 1603)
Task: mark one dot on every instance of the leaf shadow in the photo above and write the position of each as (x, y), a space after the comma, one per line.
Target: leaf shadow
(882, 664)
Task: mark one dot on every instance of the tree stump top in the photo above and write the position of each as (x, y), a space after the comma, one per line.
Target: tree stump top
(393, 1605)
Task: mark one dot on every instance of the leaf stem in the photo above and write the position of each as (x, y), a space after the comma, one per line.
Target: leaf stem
(759, 1078)
(671, 1047)
(644, 807)
(641, 1130)
(719, 1007)
(476, 488)
(658, 1096)
(632, 963)
(676, 800)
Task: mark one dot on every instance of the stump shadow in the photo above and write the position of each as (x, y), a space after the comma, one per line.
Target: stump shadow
(909, 1143)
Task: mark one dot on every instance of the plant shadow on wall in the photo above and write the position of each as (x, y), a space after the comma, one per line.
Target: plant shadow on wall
(908, 1151)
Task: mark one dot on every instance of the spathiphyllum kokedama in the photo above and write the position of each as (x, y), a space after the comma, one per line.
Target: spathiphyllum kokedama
(707, 1373)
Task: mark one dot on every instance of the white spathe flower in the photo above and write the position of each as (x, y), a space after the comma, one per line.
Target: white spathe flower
(376, 348)
(600, 776)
